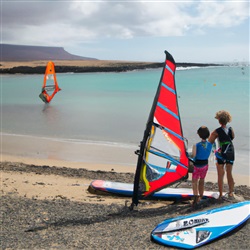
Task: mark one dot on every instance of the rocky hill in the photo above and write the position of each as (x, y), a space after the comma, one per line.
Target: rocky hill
(11, 52)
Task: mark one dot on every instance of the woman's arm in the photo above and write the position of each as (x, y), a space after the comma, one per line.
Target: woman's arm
(213, 136)
(232, 135)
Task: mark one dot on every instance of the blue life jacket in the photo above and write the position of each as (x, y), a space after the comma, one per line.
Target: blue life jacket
(203, 150)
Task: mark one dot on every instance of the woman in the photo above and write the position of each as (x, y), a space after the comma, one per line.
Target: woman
(225, 154)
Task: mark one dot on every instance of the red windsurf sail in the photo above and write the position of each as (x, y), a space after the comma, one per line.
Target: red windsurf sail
(162, 158)
(50, 85)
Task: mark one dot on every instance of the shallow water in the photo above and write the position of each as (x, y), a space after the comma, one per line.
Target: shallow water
(114, 107)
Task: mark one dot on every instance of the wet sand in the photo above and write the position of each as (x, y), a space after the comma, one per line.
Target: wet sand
(92, 156)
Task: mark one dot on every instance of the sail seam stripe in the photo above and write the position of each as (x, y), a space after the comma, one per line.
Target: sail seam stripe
(152, 165)
(173, 133)
(167, 157)
(169, 131)
(168, 88)
(168, 110)
(169, 69)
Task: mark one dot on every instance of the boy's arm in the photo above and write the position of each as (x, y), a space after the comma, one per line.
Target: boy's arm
(193, 154)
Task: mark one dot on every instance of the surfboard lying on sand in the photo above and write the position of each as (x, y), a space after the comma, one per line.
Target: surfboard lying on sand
(126, 189)
(194, 230)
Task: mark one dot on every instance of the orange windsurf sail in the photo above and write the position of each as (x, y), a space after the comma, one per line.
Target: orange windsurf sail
(50, 85)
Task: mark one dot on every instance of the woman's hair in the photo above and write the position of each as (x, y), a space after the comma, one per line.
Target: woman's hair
(203, 132)
(223, 117)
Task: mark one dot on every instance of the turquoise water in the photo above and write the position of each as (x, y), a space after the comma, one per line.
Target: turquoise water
(114, 107)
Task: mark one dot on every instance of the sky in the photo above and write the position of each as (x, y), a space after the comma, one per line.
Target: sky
(192, 31)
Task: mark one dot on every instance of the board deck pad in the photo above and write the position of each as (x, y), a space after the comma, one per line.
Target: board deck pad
(197, 229)
(126, 189)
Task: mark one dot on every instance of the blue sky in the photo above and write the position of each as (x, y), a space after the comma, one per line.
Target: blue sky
(192, 31)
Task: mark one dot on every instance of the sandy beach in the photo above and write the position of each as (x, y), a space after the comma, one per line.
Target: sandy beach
(46, 203)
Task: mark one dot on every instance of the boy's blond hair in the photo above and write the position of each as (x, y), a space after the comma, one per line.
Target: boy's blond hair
(223, 117)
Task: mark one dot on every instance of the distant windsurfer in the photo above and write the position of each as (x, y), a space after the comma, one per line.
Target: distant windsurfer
(225, 154)
(50, 86)
(200, 155)
(44, 96)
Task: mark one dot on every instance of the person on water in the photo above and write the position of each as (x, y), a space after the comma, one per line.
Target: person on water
(200, 155)
(225, 154)
(44, 96)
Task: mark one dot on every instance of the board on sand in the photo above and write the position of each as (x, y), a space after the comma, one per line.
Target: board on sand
(194, 230)
(126, 189)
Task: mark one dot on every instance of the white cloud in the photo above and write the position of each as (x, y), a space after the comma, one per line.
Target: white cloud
(225, 14)
(74, 23)
(88, 20)
(86, 10)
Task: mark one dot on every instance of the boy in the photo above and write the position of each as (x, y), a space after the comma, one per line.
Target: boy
(200, 155)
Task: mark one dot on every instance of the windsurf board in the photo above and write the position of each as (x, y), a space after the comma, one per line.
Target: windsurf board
(126, 189)
(194, 230)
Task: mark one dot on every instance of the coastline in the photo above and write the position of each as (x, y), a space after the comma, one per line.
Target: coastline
(86, 66)
(93, 156)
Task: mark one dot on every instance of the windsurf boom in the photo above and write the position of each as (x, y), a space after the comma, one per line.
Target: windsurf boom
(162, 158)
(50, 85)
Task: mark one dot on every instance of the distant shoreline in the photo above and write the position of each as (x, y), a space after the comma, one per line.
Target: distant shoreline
(87, 66)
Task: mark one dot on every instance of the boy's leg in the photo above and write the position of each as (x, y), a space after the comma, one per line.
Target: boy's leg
(195, 186)
(201, 187)
(203, 173)
(195, 191)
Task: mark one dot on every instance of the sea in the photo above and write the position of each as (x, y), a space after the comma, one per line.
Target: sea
(113, 108)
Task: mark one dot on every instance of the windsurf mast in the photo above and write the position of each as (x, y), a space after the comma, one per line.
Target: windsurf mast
(50, 86)
(162, 158)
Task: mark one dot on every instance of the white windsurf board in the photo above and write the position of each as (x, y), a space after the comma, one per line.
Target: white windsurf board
(126, 189)
(194, 230)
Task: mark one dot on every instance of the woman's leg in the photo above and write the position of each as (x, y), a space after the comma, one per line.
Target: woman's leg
(230, 180)
(220, 172)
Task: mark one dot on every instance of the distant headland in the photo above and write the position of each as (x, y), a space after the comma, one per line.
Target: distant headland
(22, 53)
(24, 59)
